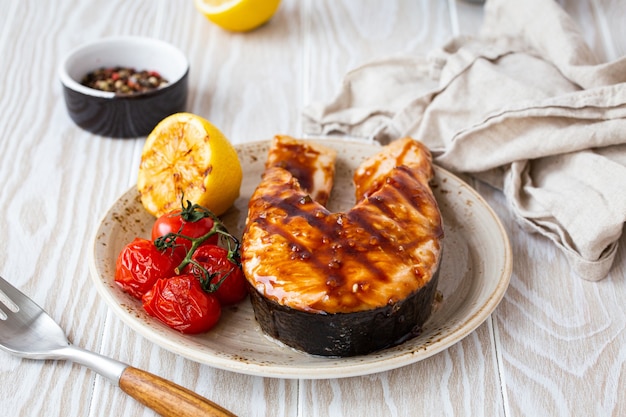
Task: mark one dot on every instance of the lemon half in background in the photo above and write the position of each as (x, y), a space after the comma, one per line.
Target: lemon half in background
(238, 15)
(186, 156)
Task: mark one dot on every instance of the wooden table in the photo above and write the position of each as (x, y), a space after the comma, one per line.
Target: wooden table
(555, 346)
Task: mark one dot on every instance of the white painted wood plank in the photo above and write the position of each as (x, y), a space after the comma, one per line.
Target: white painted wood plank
(348, 34)
(553, 347)
(53, 193)
(462, 380)
(559, 336)
(248, 84)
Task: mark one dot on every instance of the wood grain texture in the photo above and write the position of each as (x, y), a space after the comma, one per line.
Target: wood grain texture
(463, 380)
(560, 338)
(555, 346)
(347, 34)
(167, 398)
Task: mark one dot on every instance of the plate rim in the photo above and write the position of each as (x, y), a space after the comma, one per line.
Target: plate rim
(369, 364)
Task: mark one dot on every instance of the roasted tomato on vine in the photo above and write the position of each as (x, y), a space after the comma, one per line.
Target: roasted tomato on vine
(182, 276)
(184, 225)
(222, 269)
(181, 303)
(140, 264)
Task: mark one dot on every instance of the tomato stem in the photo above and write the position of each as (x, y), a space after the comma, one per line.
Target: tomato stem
(206, 280)
(192, 213)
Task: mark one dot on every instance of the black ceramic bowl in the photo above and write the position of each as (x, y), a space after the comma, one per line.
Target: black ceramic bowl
(130, 115)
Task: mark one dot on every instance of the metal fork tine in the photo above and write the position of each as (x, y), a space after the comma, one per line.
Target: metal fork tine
(9, 302)
(11, 297)
(18, 308)
(25, 323)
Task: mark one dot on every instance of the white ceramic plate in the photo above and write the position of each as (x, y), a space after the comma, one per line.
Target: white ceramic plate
(474, 275)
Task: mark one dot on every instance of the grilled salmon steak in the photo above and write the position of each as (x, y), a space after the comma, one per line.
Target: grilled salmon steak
(343, 283)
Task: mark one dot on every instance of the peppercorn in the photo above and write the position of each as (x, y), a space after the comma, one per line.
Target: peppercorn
(123, 80)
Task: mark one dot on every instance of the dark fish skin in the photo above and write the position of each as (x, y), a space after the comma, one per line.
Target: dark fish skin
(346, 334)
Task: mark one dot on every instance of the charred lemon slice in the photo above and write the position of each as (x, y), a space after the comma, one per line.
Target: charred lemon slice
(186, 157)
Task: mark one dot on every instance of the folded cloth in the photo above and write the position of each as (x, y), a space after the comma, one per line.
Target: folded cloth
(524, 106)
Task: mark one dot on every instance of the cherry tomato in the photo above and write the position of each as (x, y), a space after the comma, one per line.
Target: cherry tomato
(173, 222)
(181, 303)
(140, 264)
(215, 260)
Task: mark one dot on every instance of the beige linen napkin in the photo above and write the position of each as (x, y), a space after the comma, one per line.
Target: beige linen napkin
(524, 106)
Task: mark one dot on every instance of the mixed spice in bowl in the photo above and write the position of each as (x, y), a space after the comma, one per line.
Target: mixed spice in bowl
(121, 80)
(123, 86)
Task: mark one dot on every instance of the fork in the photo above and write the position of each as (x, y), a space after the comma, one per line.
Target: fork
(26, 330)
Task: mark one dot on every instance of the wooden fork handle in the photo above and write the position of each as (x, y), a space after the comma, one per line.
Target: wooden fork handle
(167, 398)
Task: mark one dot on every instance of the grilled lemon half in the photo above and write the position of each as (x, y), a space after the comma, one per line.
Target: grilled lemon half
(185, 158)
